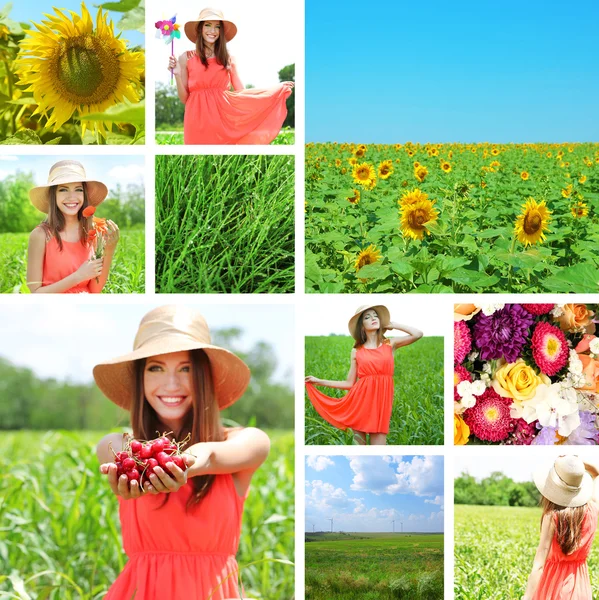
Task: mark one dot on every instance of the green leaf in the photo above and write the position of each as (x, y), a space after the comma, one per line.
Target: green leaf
(134, 20)
(490, 233)
(473, 279)
(275, 519)
(53, 141)
(449, 263)
(5, 11)
(25, 100)
(25, 136)
(582, 279)
(121, 113)
(374, 271)
(122, 6)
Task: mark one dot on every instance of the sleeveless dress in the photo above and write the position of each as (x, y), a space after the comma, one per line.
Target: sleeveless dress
(176, 555)
(368, 404)
(214, 115)
(567, 577)
(58, 265)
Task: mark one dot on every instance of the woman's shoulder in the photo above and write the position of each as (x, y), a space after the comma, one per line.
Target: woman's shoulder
(40, 234)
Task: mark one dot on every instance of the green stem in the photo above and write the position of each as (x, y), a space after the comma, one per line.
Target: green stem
(10, 80)
(509, 273)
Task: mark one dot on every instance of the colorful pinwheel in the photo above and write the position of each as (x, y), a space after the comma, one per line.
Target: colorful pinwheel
(168, 30)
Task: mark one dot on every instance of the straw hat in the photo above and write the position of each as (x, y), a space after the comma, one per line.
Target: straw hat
(381, 311)
(210, 14)
(67, 171)
(173, 329)
(565, 482)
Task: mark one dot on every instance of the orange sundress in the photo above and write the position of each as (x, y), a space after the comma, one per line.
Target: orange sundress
(368, 404)
(567, 577)
(177, 555)
(60, 264)
(214, 115)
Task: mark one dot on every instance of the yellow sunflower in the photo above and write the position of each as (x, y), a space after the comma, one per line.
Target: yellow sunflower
(579, 210)
(415, 216)
(412, 197)
(355, 198)
(524, 176)
(365, 175)
(337, 162)
(386, 169)
(567, 192)
(73, 69)
(532, 223)
(445, 166)
(420, 173)
(353, 161)
(359, 152)
(494, 152)
(582, 179)
(368, 256)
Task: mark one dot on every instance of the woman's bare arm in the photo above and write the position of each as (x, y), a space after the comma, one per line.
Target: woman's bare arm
(352, 375)
(398, 342)
(235, 79)
(547, 531)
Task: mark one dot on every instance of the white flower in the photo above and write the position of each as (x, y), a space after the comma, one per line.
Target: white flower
(468, 390)
(594, 346)
(486, 378)
(557, 311)
(575, 364)
(554, 406)
(473, 356)
(487, 368)
(489, 309)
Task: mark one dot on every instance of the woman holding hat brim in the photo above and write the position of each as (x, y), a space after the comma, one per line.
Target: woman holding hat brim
(180, 532)
(60, 258)
(367, 408)
(213, 114)
(569, 496)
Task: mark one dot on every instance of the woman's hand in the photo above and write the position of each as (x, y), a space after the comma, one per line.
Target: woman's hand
(288, 84)
(311, 379)
(174, 66)
(161, 482)
(112, 235)
(90, 269)
(121, 487)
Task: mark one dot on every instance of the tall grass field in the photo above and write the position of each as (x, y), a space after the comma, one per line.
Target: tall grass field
(225, 224)
(374, 566)
(494, 550)
(60, 531)
(417, 416)
(286, 137)
(127, 274)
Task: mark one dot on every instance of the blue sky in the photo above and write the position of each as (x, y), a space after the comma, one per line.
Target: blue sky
(365, 493)
(108, 169)
(466, 71)
(26, 11)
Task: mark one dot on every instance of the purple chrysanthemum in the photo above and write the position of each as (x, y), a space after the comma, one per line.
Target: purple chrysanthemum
(462, 341)
(502, 334)
(586, 434)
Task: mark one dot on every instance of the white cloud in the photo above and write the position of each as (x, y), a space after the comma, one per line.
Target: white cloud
(127, 173)
(319, 463)
(371, 474)
(9, 157)
(438, 500)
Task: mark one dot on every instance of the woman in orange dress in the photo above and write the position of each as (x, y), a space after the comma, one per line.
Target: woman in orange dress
(570, 497)
(213, 114)
(181, 532)
(60, 257)
(367, 408)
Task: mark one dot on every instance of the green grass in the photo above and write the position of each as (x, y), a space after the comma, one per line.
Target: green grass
(60, 532)
(127, 274)
(225, 224)
(285, 138)
(494, 550)
(417, 416)
(374, 566)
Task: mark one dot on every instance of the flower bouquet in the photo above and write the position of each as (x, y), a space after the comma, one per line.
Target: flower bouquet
(96, 232)
(526, 374)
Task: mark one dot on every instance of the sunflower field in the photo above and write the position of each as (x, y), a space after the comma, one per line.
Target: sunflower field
(443, 218)
(69, 78)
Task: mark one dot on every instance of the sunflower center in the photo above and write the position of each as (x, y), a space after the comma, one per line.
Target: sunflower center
(491, 414)
(417, 219)
(384, 170)
(87, 70)
(532, 223)
(552, 347)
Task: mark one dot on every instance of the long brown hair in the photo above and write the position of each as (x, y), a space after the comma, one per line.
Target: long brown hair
(568, 523)
(55, 221)
(220, 46)
(202, 421)
(360, 334)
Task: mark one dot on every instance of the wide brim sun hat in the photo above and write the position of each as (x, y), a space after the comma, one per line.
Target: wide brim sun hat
(565, 482)
(210, 14)
(67, 171)
(381, 311)
(169, 329)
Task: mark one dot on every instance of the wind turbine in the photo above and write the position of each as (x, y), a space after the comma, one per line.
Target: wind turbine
(393, 521)
(312, 526)
(331, 520)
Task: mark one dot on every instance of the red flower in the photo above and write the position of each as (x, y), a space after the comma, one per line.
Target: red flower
(88, 211)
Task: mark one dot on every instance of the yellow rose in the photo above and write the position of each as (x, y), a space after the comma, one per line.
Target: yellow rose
(461, 431)
(518, 381)
(577, 317)
(464, 312)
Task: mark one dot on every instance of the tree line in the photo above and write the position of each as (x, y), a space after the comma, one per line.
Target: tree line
(170, 110)
(124, 205)
(30, 402)
(495, 490)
